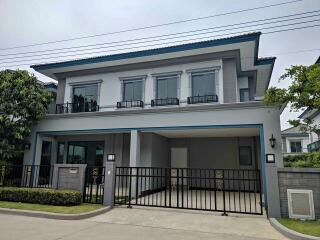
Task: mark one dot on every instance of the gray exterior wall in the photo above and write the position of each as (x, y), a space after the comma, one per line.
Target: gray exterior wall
(299, 178)
(229, 81)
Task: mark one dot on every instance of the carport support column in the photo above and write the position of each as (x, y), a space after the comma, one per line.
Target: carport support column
(135, 148)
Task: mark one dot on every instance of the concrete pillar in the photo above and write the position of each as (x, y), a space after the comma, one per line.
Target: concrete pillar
(110, 176)
(54, 151)
(65, 154)
(38, 150)
(135, 148)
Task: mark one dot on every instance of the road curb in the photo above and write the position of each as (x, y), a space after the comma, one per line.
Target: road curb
(57, 216)
(290, 233)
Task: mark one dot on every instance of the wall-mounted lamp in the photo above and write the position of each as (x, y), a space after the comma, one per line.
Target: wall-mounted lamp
(272, 141)
(111, 157)
(26, 145)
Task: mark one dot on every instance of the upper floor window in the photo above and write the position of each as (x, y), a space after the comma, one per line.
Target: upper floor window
(203, 83)
(296, 146)
(133, 90)
(167, 87)
(85, 93)
(244, 95)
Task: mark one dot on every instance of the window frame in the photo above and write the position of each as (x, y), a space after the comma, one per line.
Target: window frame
(215, 70)
(296, 141)
(242, 90)
(85, 84)
(251, 159)
(125, 80)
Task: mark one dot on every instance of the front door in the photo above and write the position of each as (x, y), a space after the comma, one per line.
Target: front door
(179, 159)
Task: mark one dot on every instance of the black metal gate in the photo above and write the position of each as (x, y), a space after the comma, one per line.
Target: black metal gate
(221, 190)
(94, 184)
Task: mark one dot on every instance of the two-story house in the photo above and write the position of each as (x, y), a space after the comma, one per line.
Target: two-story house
(196, 105)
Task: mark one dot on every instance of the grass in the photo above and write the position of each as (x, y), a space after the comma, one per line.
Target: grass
(85, 207)
(306, 227)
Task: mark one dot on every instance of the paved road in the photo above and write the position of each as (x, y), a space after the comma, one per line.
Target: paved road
(122, 223)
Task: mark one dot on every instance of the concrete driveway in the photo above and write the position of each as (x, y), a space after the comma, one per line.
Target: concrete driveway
(140, 223)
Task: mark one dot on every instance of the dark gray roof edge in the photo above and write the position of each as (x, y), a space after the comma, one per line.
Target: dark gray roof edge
(255, 36)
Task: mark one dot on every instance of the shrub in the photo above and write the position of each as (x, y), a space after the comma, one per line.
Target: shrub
(310, 160)
(41, 196)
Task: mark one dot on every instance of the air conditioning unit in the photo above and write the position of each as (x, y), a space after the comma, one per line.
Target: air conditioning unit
(300, 204)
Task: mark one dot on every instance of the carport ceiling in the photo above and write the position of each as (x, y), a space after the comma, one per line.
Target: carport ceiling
(221, 132)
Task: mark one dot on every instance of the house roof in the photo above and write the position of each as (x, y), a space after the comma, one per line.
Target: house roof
(176, 48)
(294, 132)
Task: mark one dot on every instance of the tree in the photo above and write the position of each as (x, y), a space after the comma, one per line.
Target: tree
(23, 102)
(304, 92)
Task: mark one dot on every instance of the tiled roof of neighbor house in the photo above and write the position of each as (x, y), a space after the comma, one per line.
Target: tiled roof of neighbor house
(293, 131)
(176, 48)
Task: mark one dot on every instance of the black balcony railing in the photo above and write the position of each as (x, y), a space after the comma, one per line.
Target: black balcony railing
(130, 104)
(164, 101)
(202, 99)
(77, 107)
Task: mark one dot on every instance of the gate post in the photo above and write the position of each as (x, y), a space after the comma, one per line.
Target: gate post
(109, 184)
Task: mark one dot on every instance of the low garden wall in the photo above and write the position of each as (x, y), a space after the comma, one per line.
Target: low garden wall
(299, 178)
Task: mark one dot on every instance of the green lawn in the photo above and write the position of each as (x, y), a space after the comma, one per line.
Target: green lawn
(85, 207)
(305, 227)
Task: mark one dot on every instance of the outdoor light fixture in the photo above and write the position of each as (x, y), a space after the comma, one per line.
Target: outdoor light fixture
(26, 145)
(111, 157)
(272, 141)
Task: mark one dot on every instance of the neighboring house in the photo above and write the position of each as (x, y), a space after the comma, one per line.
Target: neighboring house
(314, 139)
(196, 105)
(294, 141)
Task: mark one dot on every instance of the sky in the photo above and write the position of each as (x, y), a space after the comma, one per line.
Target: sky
(27, 22)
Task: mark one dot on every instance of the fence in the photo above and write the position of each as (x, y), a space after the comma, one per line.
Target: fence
(35, 176)
(221, 190)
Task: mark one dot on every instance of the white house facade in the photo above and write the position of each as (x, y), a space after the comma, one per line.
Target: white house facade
(197, 105)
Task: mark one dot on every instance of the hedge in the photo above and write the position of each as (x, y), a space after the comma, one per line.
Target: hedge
(307, 160)
(41, 196)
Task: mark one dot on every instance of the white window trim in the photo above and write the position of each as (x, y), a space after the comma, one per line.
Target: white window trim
(158, 76)
(84, 84)
(296, 140)
(141, 78)
(218, 79)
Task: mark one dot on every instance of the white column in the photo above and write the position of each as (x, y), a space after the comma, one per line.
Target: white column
(134, 148)
(65, 153)
(38, 150)
(54, 150)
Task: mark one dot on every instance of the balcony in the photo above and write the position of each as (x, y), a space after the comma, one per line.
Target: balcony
(202, 99)
(164, 102)
(77, 107)
(130, 104)
(314, 147)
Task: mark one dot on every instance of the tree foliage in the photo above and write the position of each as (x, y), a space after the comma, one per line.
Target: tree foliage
(304, 92)
(23, 101)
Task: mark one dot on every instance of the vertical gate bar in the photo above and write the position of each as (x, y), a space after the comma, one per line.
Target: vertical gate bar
(200, 187)
(244, 190)
(177, 204)
(182, 186)
(255, 191)
(165, 186)
(229, 190)
(152, 178)
(234, 191)
(145, 186)
(223, 193)
(123, 177)
(196, 180)
(260, 191)
(85, 187)
(130, 186)
(187, 180)
(170, 186)
(210, 187)
(115, 187)
(191, 190)
(161, 186)
(215, 189)
(137, 184)
(249, 180)
(205, 188)
(239, 190)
